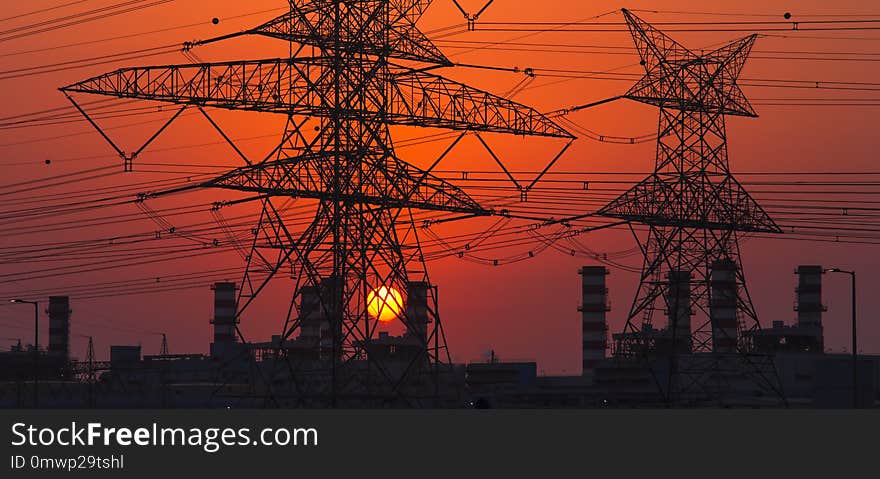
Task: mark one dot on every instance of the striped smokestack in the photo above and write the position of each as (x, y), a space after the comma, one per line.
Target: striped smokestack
(594, 306)
(417, 309)
(59, 325)
(678, 308)
(224, 313)
(722, 306)
(809, 305)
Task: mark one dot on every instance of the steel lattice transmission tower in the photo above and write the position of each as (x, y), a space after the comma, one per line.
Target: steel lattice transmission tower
(693, 206)
(345, 82)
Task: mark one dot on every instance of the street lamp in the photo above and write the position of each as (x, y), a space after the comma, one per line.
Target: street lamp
(36, 346)
(855, 351)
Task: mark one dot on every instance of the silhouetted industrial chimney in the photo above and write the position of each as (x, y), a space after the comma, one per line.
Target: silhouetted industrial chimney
(594, 305)
(224, 313)
(809, 296)
(678, 308)
(310, 318)
(417, 309)
(316, 317)
(722, 305)
(59, 326)
(809, 305)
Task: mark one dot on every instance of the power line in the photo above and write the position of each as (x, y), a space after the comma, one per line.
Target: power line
(88, 62)
(80, 18)
(42, 10)
(133, 35)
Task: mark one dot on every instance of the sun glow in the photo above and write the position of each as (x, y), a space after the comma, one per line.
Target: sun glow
(384, 304)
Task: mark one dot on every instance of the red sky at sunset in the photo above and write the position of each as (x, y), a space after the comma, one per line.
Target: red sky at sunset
(525, 310)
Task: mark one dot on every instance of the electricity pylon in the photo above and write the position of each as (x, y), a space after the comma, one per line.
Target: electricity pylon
(693, 208)
(341, 88)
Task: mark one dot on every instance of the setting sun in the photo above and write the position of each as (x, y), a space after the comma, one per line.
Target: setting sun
(384, 304)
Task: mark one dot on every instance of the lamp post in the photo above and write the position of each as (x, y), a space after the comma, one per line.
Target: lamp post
(855, 351)
(36, 346)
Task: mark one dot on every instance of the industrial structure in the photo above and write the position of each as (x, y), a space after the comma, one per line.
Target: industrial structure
(358, 68)
(231, 374)
(594, 306)
(694, 210)
(341, 88)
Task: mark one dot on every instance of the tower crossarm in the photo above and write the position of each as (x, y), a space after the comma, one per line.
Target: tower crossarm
(431, 100)
(396, 184)
(299, 86)
(679, 78)
(701, 201)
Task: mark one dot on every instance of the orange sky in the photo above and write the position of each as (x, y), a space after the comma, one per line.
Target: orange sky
(523, 311)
